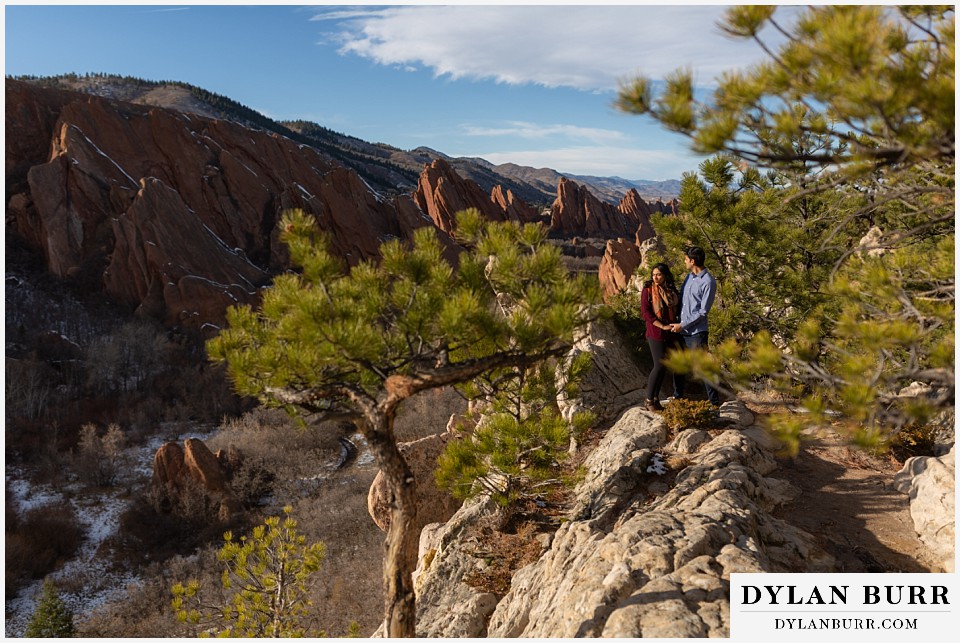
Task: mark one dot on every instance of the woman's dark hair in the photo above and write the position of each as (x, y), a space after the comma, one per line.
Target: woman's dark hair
(667, 275)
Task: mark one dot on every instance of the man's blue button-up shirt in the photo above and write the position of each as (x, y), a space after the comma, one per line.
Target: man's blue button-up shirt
(696, 293)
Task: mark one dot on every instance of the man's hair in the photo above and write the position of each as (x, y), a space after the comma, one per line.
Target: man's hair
(697, 254)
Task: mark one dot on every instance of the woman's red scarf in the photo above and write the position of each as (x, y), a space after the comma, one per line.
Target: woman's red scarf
(664, 303)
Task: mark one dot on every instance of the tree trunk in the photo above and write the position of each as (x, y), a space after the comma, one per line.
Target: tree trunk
(400, 561)
(400, 613)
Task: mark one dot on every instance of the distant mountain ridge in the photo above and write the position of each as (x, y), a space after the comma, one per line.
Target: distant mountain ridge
(387, 169)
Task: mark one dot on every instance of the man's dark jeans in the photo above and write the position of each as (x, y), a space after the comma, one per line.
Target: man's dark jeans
(699, 340)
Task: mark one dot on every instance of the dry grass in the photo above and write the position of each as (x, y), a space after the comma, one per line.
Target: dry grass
(350, 584)
(502, 555)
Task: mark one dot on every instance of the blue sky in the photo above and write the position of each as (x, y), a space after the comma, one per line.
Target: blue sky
(531, 84)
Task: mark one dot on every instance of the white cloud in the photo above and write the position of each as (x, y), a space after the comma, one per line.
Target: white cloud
(628, 163)
(526, 130)
(579, 46)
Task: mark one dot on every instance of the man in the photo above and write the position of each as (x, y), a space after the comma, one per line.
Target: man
(696, 298)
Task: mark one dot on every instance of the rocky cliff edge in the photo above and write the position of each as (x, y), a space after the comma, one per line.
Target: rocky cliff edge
(635, 556)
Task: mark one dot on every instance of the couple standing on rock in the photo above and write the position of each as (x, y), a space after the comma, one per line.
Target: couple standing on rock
(677, 319)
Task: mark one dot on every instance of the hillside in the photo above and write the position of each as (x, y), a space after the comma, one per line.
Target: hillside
(138, 211)
(387, 169)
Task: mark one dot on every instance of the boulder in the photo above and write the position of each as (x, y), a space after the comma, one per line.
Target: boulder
(735, 413)
(168, 465)
(688, 441)
(202, 466)
(930, 482)
(178, 470)
(650, 247)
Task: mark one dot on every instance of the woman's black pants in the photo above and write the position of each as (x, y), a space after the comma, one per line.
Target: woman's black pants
(658, 351)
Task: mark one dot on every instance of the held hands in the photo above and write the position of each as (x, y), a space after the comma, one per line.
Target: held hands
(673, 328)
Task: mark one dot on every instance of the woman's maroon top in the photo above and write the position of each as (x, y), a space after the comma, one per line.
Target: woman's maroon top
(646, 307)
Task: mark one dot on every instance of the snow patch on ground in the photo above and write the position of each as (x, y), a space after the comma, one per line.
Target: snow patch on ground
(101, 581)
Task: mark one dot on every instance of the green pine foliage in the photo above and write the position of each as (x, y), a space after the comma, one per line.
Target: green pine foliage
(766, 249)
(854, 120)
(51, 618)
(521, 440)
(336, 336)
(266, 578)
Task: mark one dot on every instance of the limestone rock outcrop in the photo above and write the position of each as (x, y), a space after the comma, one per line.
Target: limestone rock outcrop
(634, 557)
(172, 211)
(615, 381)
(931, 482)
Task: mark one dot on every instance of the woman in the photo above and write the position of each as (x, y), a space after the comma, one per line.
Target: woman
(660, 305)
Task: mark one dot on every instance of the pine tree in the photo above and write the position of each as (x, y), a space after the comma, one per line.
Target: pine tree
(854, 115)
(521, 439)
(51, 618)
(355, 344)
(267, 578)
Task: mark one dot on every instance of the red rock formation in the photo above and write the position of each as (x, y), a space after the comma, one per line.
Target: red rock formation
(168, 466)
(175, 468)
(202, 466)
(578, 212)
(636, 209)
(619, 262)
(514, 209)
(173, 212)
(441, 193)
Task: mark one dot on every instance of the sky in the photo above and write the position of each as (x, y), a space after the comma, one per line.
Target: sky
(532, 85)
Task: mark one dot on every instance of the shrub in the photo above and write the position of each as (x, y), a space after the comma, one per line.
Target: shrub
(97, 459)
(268, 453)
(914, 440)
(688, 414)
(143, 610)
(509, 458)
(45, 538)
(51, 618)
